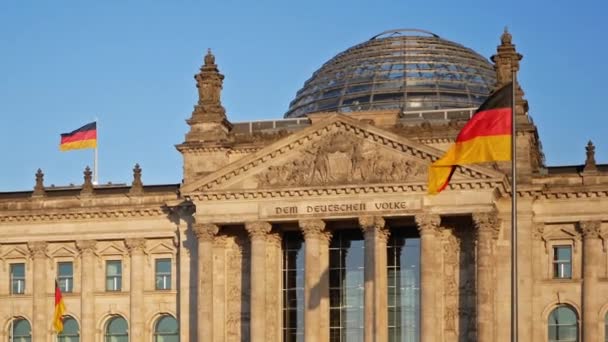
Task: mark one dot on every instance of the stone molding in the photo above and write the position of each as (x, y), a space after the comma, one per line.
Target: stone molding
(205, 231)
(486, 222)
(312, 228)
(590, 229)
(136, 245)
(428, 223)
(38, 249)
(258, 229)
(86, 246)
(87, 215)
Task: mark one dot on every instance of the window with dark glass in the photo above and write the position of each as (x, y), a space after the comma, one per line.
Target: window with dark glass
(166, 329)
(562, 262)
(113, 275)
(163, 274)
(346, 283)
(65, 276)
(293, 287)
(563, 325)
(403, 280)
(18, 278)
(116, 330)
(20, 331)
(70, 331)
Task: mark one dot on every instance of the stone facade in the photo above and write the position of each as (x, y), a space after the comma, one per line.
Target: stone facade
(223, 231)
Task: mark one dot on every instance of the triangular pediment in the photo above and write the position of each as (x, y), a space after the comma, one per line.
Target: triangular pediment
(14, 252)
(112, 249)
(335, 152)
(64, 251)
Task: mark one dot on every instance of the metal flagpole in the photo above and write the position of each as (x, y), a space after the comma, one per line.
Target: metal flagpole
(95, 171)
(514, 329)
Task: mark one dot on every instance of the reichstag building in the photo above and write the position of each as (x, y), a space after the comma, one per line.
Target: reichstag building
(318, 226)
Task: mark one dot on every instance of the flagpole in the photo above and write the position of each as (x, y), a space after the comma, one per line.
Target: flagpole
(95, 171)
(514, 322)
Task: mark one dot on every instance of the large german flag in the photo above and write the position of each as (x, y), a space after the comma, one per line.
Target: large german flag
(485, 138)
(84, 137)
(59, 310)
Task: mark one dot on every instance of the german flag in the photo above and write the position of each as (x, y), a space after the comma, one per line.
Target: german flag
(485, 138)
(84, 137)
(59, 310)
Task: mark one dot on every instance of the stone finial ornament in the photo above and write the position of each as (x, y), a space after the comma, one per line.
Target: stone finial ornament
(209, 58)
(39, 187)
(590, 165)
(506, 64)
(87, 187)
(506, 37)
(137, 187)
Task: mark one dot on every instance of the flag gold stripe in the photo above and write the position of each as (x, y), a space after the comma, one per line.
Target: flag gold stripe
(77, 145)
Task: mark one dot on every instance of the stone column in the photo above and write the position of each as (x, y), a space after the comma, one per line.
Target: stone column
(486, 225)
(219, 288)
(428, 227)
(87, 289)
(257, 233)
(205, 233)
(273, 287)
(40, 326)
(136, 249)
(376, 236)
(312, 230)
(324, 286)
(592, 259)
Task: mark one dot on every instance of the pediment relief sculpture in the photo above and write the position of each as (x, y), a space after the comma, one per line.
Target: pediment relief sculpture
(342, 158)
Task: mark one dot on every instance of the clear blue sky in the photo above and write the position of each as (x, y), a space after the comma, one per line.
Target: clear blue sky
(131, 64)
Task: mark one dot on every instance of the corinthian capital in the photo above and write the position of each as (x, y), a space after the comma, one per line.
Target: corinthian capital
(86, 246)
(374, 224)
(258, 229)
(486, 222)
(590, 229)
(135, 245)
(37, 249)
(205, 231)
(428, 223)
(312, 228)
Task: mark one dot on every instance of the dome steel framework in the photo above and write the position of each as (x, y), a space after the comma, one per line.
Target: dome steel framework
(405, 69)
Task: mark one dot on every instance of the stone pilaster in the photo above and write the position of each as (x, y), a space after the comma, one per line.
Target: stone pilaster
(376, 236)
(219, 288)
(136, 249)
(428, 227)
(40, 324)
(324, 285)
(258, 232)
(205, 233)
(592, 259)
(273, 287)
(87, 288)
(312, 230)
(486, 225)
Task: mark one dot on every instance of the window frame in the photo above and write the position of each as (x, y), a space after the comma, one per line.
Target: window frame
(555, 274)
(167, 277)
(107, 337)
(577, 323)
(156, 334)
(62, 336)
(116, 278)
(17, 280)
(69, 280)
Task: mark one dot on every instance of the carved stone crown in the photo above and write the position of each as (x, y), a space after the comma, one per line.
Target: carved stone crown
(37, 248)
(590, 229)
(258, 229)
(86, 246)
(205, 231)
(312, 228)
(428, 223)
(135, 245)
(487, 222)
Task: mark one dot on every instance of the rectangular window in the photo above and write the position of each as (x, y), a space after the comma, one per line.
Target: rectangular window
(293, 287)
(562, 262)
(17, 278)
(113, 275)
(65, 276)
(163, 274)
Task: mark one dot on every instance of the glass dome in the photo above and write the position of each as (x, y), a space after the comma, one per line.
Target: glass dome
(405, 69)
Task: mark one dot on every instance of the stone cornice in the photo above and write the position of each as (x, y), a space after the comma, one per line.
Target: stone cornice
(58, 215)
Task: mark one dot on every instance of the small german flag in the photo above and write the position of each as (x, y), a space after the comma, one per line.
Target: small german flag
(84, 137)
(59, 310)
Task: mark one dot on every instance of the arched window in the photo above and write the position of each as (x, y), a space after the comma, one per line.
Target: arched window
(563, 325)
(70, 331)
(166, 329)
(21, 331)
(117, 330)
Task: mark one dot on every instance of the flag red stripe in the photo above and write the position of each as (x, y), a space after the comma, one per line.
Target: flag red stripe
(496, 121)
(57, 294)
(84, 135)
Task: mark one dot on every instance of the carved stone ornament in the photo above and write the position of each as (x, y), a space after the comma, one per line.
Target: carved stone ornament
(87, 186)
(312, 229)
(487, 222)
(137, 187)
(274, 239)
(86, 246)
(590, 229)
(39, 187)
(590, 164)
(374, 224)
(205, 231)
(428, 223)
(343, 158)
(37, 249)
(135, 245)
(258, 229)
